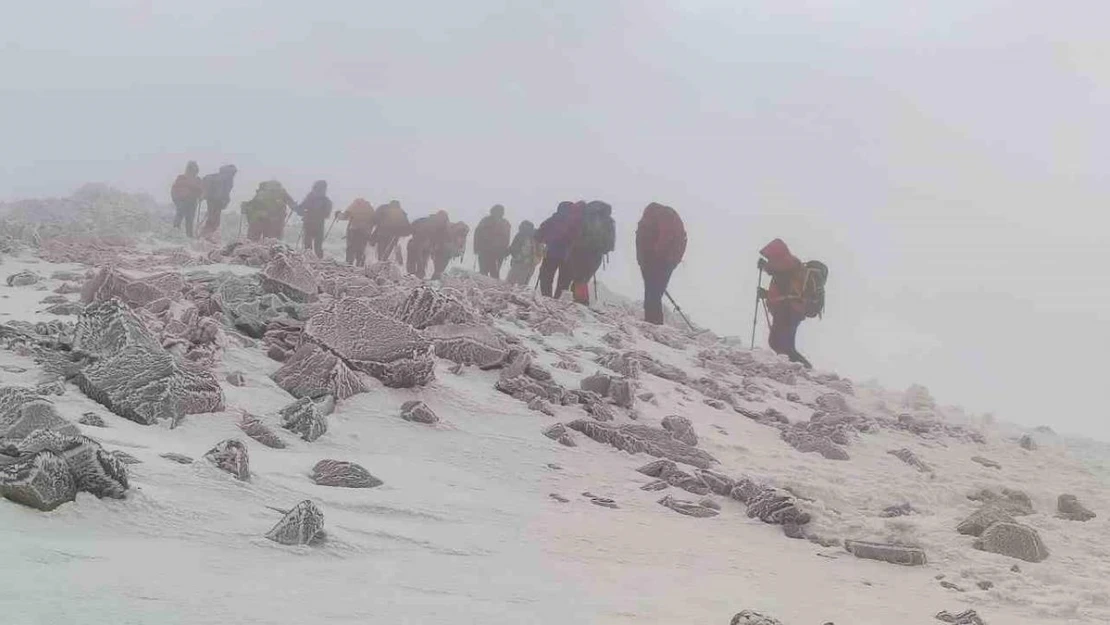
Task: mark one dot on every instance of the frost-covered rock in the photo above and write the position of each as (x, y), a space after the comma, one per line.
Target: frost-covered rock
(304, 417)
(288, 274)
(1013, 540)
(94, 470)
(42, 481)
(312, 371)
(343, 474)
(776, 507)
(681, 429)
(560, 434)
(621, 393)
(231, 456)
(597, 383)
(24, 278)
(300, 526)
(983, 518)
(894, 554)
(986, 462)
(967, 617)
(910, 458)
(110, 283)
(176, 457)
(469, 344)
(1028, 443)
(668, 471)
(253, 427)
(92, 419)
(428, 306)
(1069, 508)
(23, 410)
(687, 508)
(635, 438)
(806, 442)
(236, 378)
(418, 412)
(751, 617)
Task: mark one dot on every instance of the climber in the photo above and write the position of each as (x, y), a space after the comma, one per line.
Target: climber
(451, 246)
(660, 245)
(360, 223)
(784, 298)
(314, 212)
(265, 212)
(186, 193)
(391, 223)
(556, 234)
(427, 233)
(217, 195)
(491, 242)
(596, 237)
(524, 253)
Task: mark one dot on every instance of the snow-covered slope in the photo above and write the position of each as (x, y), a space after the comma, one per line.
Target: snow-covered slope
(483, 519)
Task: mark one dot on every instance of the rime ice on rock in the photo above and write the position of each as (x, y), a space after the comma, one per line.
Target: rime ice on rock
(343, 474)
(635, 438)
(894, 554)
(910, 458)
(109, 283)
(597, 383)
(681, 429)
(805, 442)
(669, 472)
(468, 344)
(236, 378)
(23, 411)
(986, 462)
(1069, 508)
(92, 419)
(688, 508)
(24, 278)
(751, 617)
(300, 526)
(1013, 540)
(313, 371)
(982, 519)
(42, 481)
(418, 412)
(253, 427)
(775, 507)
(1028, 443)
(231, 456)
(428, 306)
(560, 434)
(967, 617)
(94, 470)
(305, 418)
(288, 274)
(132, 375)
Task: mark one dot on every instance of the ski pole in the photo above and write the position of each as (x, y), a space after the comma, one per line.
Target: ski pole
(755, 313)
(678, 309)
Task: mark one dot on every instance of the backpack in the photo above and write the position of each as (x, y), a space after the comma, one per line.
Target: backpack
(597, 234)
(815, 275)
(661, 234)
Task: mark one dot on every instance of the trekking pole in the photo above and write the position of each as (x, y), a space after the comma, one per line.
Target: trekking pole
(333, 220)
(678, 309)
(755, 313)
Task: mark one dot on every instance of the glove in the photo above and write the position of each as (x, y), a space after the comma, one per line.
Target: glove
(761, 293)
(762, 264)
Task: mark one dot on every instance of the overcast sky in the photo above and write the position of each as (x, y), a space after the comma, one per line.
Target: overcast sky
(946, 159)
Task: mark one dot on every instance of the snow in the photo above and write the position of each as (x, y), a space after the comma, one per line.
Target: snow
(464, 529)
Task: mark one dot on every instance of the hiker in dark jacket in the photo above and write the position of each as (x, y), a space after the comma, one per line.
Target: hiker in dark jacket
(360, 223)
(390, 225)
(186, 193)
(314, 211)
(523, 254)
(596, 237)
(266, 213)
(556, 234)
(784, 298)
(217, 195)
(491, 242)
(428, 234)
(451, 246)
(660, 245)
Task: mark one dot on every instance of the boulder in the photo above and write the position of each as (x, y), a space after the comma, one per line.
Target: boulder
(718, 483)
(776, 507)
(300, 526)
(560, 434)
(343, 474)
(681, 429)
(1028, 443)
(42, 481)
(967, 617)
(24, 278)
(312, 371)
(621, 392)
(304, 417)
(687, 508)
(236, 378)
(231, 456)
(288, 274)
(894, 554)
(428, 306)
(806, 442)
(751, 617)
(910, 458)
(1069, 508)
(903, 509)
(470, 344)
(986, 462)
(597, 383)
(22, 411)
(635, 438)
(983, 518)
(418, 412)
(94, 470)
(1013, 540)
(253, 427)
(92, 419)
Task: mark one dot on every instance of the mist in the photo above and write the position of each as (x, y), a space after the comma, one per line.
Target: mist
(944, 160)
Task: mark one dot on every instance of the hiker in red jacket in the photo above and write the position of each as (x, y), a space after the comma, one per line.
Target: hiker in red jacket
(186, 193)
(784, 298)
(660, 245)
(491, 242)
(557, 233)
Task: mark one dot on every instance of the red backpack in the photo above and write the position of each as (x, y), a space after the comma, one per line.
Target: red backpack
(660, 235)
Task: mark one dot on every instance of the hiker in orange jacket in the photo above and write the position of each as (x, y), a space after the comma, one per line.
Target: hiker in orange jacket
(660, 245)
(360, 223)
(491, 242)
(784, 298)
(186, 194)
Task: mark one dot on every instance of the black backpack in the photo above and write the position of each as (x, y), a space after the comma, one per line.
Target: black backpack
(813, 287)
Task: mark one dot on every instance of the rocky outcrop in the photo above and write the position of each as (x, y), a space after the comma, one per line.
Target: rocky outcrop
(687, 508)
(1013, 501)
(1013, 540)
(253, 427)
(23, 410)
(94, 470)
(176, 457)
(894, 554)
(109, 283)
(302, 525)
(92, 419)
(343, 474)
(983, 518)
(1068, 507)
(23, 278)
(635, 438)
(417, 411)
(236, 378)
(304, 417)
(681, 429)
(773, 506)
(42, 481)
(231, 456)
(967, 617)
(560, 434)
(668, 471)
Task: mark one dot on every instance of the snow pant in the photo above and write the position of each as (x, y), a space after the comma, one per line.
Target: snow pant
(440, 260)
(418, 255)
(548, 268)
(784, 332)
(212, 217)
(521, 273)
(186, 212)
(356, 247)
(273, 226)
(255, 227)
(385, 247)
(489, 264)
(581, 268)
(656, 278)
(313, 235)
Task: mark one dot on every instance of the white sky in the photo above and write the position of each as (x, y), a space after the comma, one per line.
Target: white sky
(944, 158)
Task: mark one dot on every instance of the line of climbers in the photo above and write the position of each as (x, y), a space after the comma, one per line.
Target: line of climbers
(569, 246)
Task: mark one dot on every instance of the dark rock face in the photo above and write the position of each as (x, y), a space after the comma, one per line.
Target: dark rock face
(231, 456)
(312, 371)
(22, 411)
(635, 438)
(305, 418)
(681, 429)
(1069, 508)
(42, 481)
(1028, 443)
(288, 274)
(894, 554)
(1013, 540)
(621, 393)
(300, 526)
(428, 306)
(343, 475)
(132, 375)
(468, 344)
(983, 518)
(718, 483)
(371, 342)
(418, 412)
(65, 309)
(910, 458)
(805, 442)
(94, 470)
(750, 617)
(560, 434)
(688, 508)
(253, 427)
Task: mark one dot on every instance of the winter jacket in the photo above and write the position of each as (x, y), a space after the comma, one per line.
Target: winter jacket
(559, 231)
(187, 189)
(660, 236)
(360, 215)
(492, 236)
(787, 279)
(315, 208)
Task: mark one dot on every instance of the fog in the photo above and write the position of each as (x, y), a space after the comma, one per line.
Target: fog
(944, 159)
